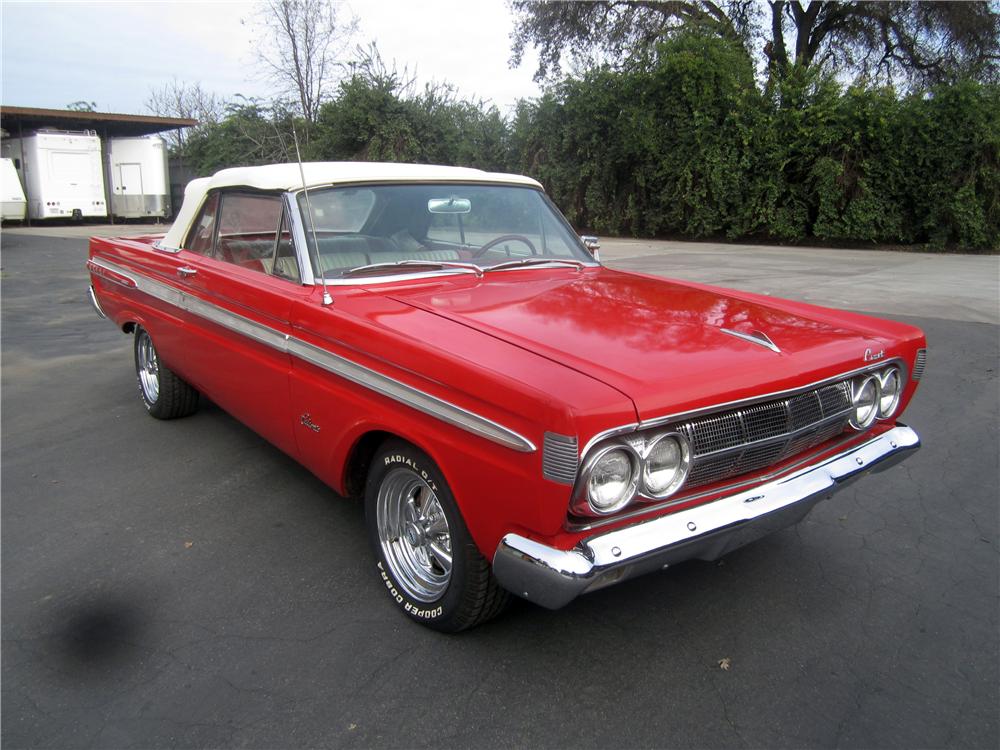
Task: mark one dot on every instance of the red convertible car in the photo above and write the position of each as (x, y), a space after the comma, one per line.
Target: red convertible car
(518, 418)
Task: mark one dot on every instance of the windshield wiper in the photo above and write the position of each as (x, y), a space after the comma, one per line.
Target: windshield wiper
(413, 263)
(536, 262)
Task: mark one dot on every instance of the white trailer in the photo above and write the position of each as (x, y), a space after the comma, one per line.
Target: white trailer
(61, 171)
(140, 181)
(11, 193)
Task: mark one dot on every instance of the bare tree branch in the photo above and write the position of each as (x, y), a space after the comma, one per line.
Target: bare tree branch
(184, 100)
(304, 45)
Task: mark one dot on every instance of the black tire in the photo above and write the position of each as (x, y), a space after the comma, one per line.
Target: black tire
(470, 595)
(163, 393)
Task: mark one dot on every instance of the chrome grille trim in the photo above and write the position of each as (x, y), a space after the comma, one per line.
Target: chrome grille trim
(919, 364)
(757, 436)
(560, 458)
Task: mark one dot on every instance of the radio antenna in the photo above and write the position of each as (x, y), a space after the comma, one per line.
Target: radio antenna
(327, 299)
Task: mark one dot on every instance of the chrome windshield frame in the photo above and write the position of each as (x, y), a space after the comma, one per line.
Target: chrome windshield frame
(308, 275)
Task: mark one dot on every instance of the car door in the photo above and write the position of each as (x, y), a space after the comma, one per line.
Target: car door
(239, 297)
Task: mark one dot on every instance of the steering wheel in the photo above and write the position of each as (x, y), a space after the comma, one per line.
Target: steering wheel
(505, 238)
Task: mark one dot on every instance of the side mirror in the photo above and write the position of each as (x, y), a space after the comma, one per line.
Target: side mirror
(592, 244)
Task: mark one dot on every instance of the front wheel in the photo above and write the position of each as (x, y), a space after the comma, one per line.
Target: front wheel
(424, 554)
(163, 393)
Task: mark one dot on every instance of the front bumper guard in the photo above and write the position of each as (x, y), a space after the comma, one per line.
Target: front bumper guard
(553, 577)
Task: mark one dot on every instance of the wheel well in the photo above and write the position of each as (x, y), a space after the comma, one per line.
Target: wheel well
(128, 327)
(360, 460)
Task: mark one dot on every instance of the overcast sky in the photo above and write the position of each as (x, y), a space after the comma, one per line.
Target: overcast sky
(113, 53)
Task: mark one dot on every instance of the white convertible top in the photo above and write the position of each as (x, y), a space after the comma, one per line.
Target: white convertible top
(320, 174)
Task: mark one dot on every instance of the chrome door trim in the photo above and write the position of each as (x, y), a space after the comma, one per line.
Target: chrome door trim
(298, 231)
(333, 363)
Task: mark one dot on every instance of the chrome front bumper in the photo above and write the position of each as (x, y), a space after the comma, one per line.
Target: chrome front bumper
(553, 577)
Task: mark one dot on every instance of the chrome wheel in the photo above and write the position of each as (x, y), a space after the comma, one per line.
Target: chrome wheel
(147, 367)
(414, 535)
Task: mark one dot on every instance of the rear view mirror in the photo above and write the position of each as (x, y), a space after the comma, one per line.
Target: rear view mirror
(592, 244)
(449, 205)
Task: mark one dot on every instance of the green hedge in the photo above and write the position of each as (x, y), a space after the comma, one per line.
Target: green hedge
(687, 145)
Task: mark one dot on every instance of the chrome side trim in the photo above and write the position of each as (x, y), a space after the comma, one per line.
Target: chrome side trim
(345, 368)
(96, 305)
(553, 577)
(386, 386)
(757, 337)
(100, 263)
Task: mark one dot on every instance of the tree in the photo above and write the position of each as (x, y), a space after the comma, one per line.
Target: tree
(187, 101)
(250, 132)
(82, 106)
(303, 39)
(920, 41)
(381, 115)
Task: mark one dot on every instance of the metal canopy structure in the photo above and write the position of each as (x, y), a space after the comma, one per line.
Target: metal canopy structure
(16, 120)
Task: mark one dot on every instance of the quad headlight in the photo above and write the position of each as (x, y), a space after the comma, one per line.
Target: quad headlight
(890, 383)
(655, 467)
(865, 397)
(875, 395)
(665, 465)
(612, 480)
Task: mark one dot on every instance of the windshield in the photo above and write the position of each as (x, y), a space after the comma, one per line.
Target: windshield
(447, 227)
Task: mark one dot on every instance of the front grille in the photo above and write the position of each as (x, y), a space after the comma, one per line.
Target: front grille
(755, 437)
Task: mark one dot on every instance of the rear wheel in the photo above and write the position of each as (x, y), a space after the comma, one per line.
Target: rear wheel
(425, 555)
(164, 394)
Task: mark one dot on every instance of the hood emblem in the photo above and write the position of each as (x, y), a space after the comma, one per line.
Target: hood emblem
(757, 337)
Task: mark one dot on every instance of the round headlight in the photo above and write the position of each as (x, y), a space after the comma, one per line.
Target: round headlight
(865, 395)
(666, 465)
(612, 481)
(891, 387)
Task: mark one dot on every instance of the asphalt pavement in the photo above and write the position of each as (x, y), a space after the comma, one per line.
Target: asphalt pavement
(184, 584)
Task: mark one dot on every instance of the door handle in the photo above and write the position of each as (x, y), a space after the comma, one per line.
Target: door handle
(186, 272)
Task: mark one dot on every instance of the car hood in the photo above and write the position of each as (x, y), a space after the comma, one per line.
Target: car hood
(659, 342)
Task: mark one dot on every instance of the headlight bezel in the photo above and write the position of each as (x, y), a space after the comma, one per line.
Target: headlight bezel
(637, 448)
(585, 503)
(681, 472)
(883, 379)
(858, 386)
